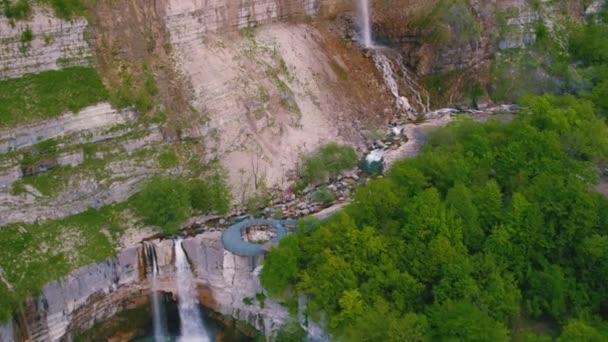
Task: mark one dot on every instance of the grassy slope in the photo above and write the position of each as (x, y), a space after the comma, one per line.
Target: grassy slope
(38, 96)
(22, 9)
(35, 254)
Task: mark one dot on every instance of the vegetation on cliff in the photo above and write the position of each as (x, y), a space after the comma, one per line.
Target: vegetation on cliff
(326, 161)
(22, 9)
(490, 222)
(35, 254)
(167, 202)
(49, 94)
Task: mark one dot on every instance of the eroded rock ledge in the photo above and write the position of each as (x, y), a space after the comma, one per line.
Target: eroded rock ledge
(96, 292)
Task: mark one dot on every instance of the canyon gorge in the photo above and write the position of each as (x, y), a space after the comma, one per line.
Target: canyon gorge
(184, 88)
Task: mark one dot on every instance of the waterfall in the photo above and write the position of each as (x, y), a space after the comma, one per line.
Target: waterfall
(365, 27)
(158, 307)
(390, 64)
(396, 75)
(192, 328)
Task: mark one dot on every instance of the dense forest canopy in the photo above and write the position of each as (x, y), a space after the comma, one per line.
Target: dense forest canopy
(490, 222)
(494, 231)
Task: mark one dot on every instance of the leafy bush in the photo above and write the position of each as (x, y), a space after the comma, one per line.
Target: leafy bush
(210, 195)
(22, 9)
(19, 9)
(323, 196)
(67, 8)
(589, 44)
(327, 161)
(26, 36)
(164, 202)
(257, 202)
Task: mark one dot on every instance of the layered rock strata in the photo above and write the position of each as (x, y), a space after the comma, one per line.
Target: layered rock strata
(96, 292)
(55, 43)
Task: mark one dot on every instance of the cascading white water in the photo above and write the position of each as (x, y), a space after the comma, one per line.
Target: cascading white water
(192, 328)
(386, 67)
(395, 75)
(158, 307)
(390, 64)
(365, 26)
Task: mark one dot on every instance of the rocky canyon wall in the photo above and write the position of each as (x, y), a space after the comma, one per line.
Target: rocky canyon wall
(96, 292)
(54, 44)
(440, 36)
(268, 87)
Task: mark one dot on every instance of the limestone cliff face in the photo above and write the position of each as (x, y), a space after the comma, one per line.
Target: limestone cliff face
(98, 291)
(55, 44)
(440, 36)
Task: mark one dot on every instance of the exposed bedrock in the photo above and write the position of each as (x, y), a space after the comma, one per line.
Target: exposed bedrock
(96, 292)
(55, 44)
(87, 121)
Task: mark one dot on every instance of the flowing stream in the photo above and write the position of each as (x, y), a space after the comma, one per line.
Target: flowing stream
(191, 322)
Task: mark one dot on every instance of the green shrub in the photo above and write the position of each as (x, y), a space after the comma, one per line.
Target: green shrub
(258, 201)
(589, 44)
(19, 9)
(261, 298)
(17, 188)
(212, 193)
(25, 40)
(168, 158)
(164, 202)
(327, 161)
(291, 332)
(67, 8)
(22, 9)
(26, 36)
(134, 89)
(323, 196)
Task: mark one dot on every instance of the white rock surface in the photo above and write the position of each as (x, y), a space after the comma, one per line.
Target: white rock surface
(57, 43)
(98, 116)
(189, 20)
(259, 125)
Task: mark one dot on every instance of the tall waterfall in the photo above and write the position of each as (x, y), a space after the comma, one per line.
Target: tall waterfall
(192, 328)
(158, 307)
(364, 20)
(390, 64)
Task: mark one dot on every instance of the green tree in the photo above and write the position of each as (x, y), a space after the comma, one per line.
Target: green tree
(462, 321)
(281, 266)
(547, 292)
(460, 200)
(164, 202)
(327, 161)
(211, 194)
(580, 331)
